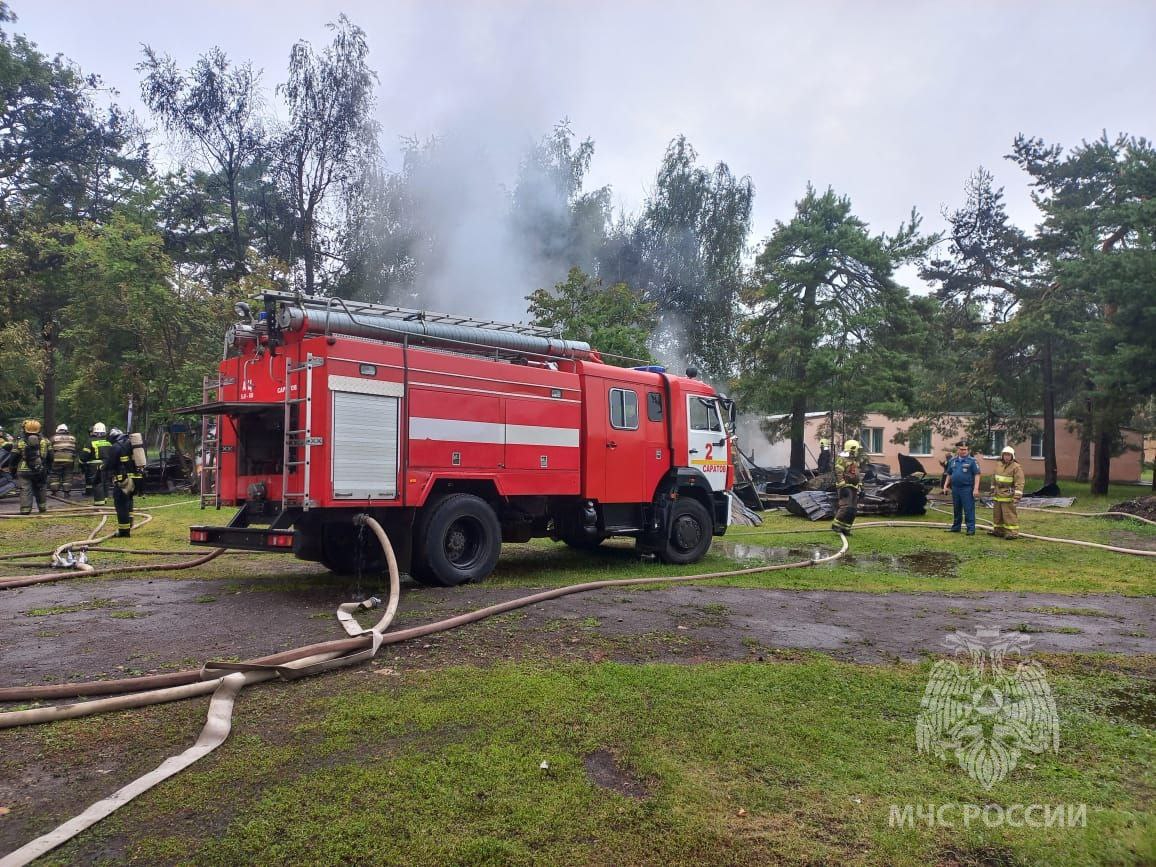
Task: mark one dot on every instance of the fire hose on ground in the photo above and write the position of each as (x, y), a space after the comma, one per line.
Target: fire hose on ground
(313, 659)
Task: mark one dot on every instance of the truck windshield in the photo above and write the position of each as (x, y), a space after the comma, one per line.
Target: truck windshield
(704, 414)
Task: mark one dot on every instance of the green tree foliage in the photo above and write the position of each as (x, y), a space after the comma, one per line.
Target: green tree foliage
(389, 238)
(215, 111)
(553, 220)
(685, 252)
(615, 319)
(1097, 238)
(329, 135)
(62, 159)
(992, 352)
(158, 335)
(828, 320)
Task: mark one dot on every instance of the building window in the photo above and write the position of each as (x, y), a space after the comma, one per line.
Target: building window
(1037, 447)
(871, 439)
(623, 409)
(920, 443)
(998, 441)
(654, 406)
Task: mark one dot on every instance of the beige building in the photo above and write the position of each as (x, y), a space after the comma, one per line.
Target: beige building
(877, 436)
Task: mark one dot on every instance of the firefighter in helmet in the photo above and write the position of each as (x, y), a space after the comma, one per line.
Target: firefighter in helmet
(63, 461)
(119, 466)
(31, 458)
(93, 457)
(1007, 489)
(849, 467)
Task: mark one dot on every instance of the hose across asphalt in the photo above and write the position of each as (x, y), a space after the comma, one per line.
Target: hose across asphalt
(318, 658)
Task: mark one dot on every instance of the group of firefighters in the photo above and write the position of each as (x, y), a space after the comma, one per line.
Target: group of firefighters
(42, 466)
(961, 478)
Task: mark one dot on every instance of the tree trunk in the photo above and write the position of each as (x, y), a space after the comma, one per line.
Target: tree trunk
(1103, 463)
(49, 335)
(799, 433)
(235, 216)
(799, 404)
(308, 252)
(1084, 461)
(1051, 471)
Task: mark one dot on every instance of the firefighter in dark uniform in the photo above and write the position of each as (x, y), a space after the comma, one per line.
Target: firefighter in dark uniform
(119, 467)
(962, 477)
(849, 466)
(63, 461)
(93, 457)
(31, 458)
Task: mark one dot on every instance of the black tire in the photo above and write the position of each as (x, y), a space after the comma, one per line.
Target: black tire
(689, 535)
(340, 545)
(458, 540)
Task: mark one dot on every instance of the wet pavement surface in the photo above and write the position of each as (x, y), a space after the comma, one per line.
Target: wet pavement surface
(83, 630)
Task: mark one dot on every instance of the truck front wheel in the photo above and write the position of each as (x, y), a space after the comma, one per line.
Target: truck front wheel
(689, 535)
(458, 540)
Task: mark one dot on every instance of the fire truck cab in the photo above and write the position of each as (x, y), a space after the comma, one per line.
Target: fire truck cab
(456, 435)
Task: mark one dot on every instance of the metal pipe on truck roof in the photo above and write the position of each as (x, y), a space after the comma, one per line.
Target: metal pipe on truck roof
(331, 321)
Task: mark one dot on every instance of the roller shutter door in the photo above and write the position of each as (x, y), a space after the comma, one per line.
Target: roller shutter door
(365, 446)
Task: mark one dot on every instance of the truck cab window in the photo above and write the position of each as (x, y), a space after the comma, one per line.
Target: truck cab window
(704, 415)
(623, 409)
(654, 406)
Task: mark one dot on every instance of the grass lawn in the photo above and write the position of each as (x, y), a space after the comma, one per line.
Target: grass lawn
(796, 760)
(882, 559)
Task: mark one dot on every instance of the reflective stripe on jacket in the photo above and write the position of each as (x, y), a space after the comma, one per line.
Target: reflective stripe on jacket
(847, 472)
(1007, 482)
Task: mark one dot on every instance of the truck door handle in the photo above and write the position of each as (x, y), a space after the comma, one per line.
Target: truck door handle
(721, 442)
(694, 451)
(611, 444)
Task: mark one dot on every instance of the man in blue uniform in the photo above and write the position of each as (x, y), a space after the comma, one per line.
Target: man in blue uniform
(963, 480)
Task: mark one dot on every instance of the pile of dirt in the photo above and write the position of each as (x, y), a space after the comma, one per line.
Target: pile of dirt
(1145, 507)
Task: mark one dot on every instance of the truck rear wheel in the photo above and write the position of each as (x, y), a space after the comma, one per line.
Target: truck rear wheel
(458, 540)
(688, 538)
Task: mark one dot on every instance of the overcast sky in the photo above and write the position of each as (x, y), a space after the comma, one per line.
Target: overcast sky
(891, 103)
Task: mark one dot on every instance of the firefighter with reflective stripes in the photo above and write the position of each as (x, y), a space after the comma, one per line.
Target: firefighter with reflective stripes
(93, 457)
(1007, 489)
(31, 458)
(63, 461)
(849, 466)
(119, 467)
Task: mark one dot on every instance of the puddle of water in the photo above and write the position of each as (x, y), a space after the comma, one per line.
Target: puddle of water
(938, 564)
(744, 551)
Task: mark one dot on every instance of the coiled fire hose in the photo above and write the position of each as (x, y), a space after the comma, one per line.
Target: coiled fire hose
(313, 659)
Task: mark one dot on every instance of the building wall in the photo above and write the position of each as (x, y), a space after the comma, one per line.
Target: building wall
(1126, 467)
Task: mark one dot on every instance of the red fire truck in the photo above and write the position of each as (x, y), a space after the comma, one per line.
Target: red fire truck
(455, 434)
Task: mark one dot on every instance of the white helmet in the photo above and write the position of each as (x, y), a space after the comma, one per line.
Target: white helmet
(99, 429)
(1008, 450)
(62, 428)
